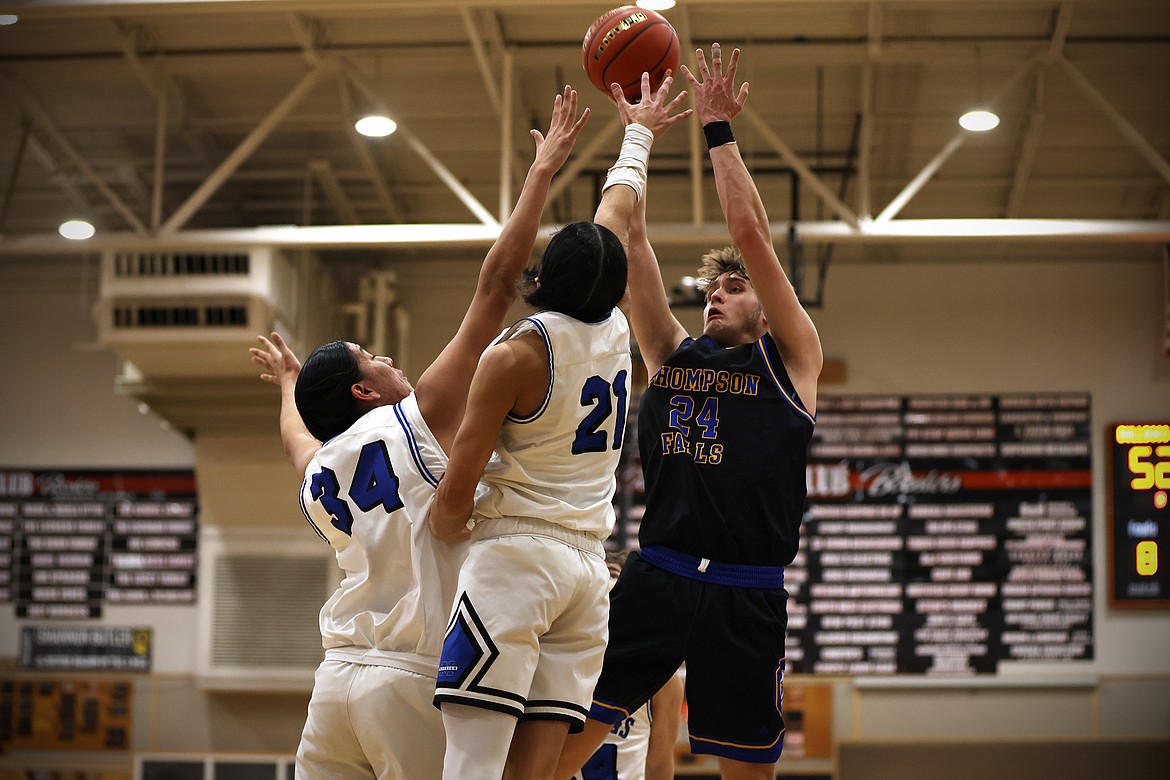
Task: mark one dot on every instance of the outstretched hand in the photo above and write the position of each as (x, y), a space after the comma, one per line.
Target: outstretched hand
(715, 97)
(278, 362)
(653, 111)
(565, 126)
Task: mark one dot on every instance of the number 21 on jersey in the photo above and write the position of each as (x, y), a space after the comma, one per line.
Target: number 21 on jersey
(596, 394)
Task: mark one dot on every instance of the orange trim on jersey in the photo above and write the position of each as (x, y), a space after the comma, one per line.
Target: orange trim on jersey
(622, 710)
(737, 745)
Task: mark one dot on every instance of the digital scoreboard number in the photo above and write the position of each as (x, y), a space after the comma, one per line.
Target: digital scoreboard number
(1139, 515)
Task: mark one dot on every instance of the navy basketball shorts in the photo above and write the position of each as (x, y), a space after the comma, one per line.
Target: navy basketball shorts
(732, 641)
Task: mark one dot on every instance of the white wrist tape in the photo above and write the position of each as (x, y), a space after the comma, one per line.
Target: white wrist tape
(630, 168)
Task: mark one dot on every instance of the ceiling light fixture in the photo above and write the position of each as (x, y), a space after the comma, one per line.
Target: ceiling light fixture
(375, 125)
(656, 5)
(7, 19)
(76, 230)
(979, 120)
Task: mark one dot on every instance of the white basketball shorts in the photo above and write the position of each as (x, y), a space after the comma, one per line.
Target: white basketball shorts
(527, 633)
(371, 721)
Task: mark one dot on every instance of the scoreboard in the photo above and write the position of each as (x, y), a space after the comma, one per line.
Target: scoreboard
(1139, 489)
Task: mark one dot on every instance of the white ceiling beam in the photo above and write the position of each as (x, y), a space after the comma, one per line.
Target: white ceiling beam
(507, 112)
(461, 192)
(14, 173)
(918, 182)
(1035, 126)
(827, 196)
(334, 193)
(1143, 147)
(41, 117)
(476, 236)
(83, 8)
(481, 58)
(305, 31)
(361, 147)
(583, 158)
(245, 149)
(59, 176)
(696, 153)
(160, 158)
(873, 50)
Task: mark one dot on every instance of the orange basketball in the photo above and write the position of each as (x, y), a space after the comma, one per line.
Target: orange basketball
(625, 43)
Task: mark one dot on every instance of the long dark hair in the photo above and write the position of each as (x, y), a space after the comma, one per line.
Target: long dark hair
(323, 395)
(582, 273)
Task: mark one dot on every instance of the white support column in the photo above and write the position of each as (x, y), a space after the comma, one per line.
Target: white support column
(507, 113)
(873, 51)
(695, 140)
(244, 150)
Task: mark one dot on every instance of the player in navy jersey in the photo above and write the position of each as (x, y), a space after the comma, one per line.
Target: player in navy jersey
(724, 429)
(371, 449)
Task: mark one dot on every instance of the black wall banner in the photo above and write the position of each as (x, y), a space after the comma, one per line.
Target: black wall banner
(944, 535)
(71, 541)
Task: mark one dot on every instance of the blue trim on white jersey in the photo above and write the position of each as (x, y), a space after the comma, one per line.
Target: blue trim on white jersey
(305, 510)
(548, 392)
(415, 452)
(779, 386)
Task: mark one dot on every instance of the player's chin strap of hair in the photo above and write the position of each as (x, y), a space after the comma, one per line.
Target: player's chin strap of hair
(630, 168)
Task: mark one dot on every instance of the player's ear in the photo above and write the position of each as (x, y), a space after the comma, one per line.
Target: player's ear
(363, 393)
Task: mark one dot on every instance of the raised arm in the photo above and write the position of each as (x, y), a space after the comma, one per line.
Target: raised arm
(282, 367)
(442, 388)
(716, 104)
(655, 327)
(651, 116)
(510, 373)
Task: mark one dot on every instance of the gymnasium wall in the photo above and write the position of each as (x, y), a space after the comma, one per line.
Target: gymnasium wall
(993, 326)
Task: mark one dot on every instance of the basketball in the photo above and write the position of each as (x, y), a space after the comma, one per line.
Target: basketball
(625, 43)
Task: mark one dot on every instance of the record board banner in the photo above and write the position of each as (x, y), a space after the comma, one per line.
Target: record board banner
(72, 540)
(87, 648)
(944, 534)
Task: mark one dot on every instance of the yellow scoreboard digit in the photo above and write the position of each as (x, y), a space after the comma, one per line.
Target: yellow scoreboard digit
(1139, 520)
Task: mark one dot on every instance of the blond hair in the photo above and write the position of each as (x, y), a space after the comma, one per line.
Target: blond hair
(717, 262)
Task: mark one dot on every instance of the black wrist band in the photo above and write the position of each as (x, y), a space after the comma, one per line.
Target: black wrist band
(718, 134)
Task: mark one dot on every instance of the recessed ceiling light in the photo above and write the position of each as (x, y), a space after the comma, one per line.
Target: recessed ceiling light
(375, 125)
(978, 121)
(76, 229)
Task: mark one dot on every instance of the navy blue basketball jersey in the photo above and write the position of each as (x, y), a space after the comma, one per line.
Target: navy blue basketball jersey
(724, 442)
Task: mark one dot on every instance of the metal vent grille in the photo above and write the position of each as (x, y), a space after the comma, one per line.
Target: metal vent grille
(265, 611)
(143, 315)
(168, 264)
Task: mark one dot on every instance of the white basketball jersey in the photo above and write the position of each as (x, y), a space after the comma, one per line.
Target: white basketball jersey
(622, 756)
(557, 464)
(367, 492)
